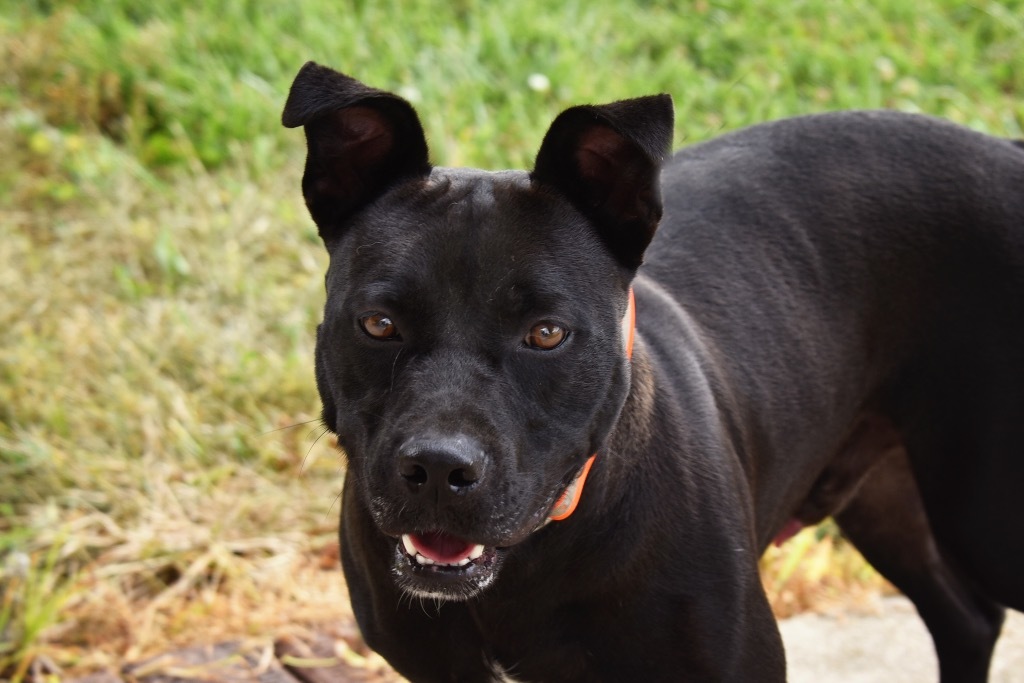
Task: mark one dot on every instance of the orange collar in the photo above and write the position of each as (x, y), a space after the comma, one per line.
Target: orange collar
(570, 498)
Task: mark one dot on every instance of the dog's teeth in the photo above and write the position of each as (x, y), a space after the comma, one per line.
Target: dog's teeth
(423, 560)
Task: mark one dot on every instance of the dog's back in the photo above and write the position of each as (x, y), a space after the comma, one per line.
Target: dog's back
(858, 281)
(855, 262)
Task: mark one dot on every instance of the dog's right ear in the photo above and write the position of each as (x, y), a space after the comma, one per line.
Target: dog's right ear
(360, 141)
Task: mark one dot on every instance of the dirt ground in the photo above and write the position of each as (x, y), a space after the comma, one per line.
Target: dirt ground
(889, 644)
(886, 642)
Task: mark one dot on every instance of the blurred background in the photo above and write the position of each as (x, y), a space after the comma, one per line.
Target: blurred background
(164, 480)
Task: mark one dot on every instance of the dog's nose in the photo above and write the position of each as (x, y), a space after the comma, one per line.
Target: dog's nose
(444, 465)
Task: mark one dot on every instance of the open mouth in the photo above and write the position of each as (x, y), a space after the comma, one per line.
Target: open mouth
(441, 550)
(438, 565)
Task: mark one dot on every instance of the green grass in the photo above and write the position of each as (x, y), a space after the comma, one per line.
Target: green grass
(161, 280)
(178, 81)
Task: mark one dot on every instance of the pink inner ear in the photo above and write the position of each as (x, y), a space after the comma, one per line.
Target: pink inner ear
(598, 151)
(362, 134)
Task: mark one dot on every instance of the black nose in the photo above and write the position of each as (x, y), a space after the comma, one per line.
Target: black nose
(450, 465)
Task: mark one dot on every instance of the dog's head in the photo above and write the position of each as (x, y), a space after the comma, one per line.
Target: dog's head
(471, 354)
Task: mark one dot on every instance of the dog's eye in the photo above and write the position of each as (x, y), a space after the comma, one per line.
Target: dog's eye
(546, 336)
(379, 326)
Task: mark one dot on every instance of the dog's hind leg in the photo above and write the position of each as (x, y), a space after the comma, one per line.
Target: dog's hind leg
(886, 521)
(967, 454)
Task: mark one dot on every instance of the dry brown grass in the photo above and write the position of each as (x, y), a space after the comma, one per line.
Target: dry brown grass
(818, 571)
(163, 478)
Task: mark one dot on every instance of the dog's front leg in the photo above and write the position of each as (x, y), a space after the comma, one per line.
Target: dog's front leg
(728, 633)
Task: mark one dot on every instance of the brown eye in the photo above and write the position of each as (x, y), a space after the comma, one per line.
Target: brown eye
(546, 336)
(379, 326)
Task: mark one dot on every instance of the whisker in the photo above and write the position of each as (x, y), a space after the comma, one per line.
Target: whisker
(337, 499)
(393, 366)
(291, 426)
(311, 446)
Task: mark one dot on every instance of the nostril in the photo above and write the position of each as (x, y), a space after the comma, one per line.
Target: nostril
(413, 472)
(462, 477)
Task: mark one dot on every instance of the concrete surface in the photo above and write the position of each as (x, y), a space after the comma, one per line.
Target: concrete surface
(891, 646)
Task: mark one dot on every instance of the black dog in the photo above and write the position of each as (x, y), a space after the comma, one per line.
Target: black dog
(830, 320)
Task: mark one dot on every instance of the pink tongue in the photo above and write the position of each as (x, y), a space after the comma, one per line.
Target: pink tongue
(441, 547)
(791, 529)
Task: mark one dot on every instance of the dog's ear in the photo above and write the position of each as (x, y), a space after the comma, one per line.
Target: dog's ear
(607, 161)
(360, 141)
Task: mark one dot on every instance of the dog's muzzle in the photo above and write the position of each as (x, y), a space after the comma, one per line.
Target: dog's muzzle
(443, 567)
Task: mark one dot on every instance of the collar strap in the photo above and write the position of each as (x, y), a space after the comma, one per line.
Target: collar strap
(570, 498)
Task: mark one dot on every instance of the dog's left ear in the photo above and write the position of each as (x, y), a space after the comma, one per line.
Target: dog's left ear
(607, 160)
(360, 142)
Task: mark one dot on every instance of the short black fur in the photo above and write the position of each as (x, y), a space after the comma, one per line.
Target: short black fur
(828, 323)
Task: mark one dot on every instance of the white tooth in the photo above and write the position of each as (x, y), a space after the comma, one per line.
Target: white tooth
(409, 547)
(423, 560)
(476, 552)
(463, 562)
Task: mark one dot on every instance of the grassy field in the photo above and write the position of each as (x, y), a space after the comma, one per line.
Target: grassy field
(163, 479)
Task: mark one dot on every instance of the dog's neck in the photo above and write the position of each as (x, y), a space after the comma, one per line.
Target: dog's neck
(570, 498)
